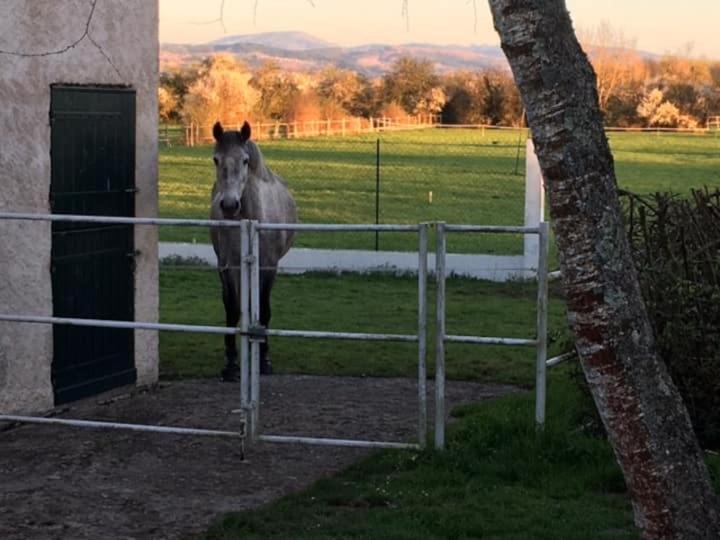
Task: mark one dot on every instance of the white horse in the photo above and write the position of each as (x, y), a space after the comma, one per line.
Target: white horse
(246, 188)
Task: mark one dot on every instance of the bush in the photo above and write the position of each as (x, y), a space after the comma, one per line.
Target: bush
(676, 245)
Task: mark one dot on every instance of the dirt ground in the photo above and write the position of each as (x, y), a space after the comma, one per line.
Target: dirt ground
(58, 482)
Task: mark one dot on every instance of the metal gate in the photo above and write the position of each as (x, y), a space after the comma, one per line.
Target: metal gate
(93, 173)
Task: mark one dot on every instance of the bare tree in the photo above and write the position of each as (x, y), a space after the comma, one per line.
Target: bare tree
(613, 58)
(643, 412)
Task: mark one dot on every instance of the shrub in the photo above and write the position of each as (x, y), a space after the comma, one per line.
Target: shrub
(676, 245)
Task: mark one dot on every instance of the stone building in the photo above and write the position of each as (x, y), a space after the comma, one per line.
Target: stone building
(78, 135)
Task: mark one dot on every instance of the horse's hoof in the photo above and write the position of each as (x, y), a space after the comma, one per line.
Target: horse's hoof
(230, 374)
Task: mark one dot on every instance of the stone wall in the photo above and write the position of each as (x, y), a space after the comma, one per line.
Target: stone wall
(43, 42)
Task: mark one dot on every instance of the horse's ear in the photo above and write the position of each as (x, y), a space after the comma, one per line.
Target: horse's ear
(218, 131)
(245, 132)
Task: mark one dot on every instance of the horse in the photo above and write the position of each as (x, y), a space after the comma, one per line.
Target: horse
(246, 188)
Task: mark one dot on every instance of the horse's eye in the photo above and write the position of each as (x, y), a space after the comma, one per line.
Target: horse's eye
(246, 161)
(215, 160)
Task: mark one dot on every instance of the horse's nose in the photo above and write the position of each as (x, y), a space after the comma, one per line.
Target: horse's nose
(229, 206)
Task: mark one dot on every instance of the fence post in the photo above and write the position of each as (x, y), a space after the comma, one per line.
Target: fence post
(542, 315)
(255, 320)
(422, 333)
(377, 193)
(245, 383)
(440, 337)
(534, 204)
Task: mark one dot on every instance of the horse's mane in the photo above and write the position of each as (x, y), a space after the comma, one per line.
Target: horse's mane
(257, 161)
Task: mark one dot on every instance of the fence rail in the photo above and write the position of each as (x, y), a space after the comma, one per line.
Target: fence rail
(251, 332)
(194, 133)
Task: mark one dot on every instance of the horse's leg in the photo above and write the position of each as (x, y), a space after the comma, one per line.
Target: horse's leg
(267, 278)
(231, 372)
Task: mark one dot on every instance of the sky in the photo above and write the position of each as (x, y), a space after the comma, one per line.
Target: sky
(658, 26)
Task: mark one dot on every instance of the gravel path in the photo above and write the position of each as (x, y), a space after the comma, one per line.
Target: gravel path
(70, 483)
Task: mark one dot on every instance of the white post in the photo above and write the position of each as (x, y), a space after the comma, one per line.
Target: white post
(422, 333)
(534, 205)
(255, 322)
(245, 383)
(440, 248)
(542, 318)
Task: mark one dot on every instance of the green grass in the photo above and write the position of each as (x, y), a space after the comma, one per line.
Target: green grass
(498, 478)
(357, 303)
(471, 175)
(471, 178)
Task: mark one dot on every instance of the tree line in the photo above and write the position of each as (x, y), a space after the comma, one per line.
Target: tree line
(634, 91)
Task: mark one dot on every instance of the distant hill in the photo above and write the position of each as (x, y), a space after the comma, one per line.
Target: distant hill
(289, 41)
(298, 51)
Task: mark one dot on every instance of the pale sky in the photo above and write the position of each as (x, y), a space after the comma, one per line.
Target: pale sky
(659, 26)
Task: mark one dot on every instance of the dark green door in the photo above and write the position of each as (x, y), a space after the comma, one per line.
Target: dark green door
(93, 173)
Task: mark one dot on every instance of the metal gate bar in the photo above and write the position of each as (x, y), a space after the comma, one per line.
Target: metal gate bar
(120, 426)
(540, 342)
(250, 332)
(253, 270)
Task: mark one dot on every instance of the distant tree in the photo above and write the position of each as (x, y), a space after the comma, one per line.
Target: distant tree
(167, 104)
(178, 80)
(660, 112)
(278, 92)
(650, 103)
(409, 82)
(613, 58)
(339, 86)
(493, 103)
(367, 101)
(221, 92)
(303, 107)
(432, 103)
(393, 110)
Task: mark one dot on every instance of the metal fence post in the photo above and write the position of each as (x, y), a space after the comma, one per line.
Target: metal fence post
(422, 334)
(255, 321)
(440, 338)
(377, 193)
(542, 316)
(245, 319)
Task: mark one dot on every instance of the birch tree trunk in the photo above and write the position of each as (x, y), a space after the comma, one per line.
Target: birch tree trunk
(643, 412)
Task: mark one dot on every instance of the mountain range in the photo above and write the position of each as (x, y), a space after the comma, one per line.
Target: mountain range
(299, 51)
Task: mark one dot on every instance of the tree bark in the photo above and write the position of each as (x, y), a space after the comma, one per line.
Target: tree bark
(646, 420)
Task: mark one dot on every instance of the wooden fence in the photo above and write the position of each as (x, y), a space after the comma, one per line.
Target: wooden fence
(201, 134)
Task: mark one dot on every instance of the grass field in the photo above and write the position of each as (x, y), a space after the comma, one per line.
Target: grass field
(498, 478)
(357, 303)
(471, 176)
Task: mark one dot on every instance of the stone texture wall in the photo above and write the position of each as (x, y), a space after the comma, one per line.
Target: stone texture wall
(42, 42)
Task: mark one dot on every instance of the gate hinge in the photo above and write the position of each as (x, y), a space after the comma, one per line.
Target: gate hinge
(249, 259)
(132, 190)
(133, 254)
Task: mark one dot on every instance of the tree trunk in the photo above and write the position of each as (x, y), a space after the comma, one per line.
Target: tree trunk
(644, 415)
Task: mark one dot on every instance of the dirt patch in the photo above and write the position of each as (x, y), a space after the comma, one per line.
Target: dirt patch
(77, 483)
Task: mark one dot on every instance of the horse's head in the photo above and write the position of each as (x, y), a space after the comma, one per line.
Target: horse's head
(232, 165)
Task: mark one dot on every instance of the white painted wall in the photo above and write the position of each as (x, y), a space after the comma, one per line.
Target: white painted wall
(44, 42)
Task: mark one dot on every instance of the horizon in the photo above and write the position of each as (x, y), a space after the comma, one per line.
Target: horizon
(688, 31)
